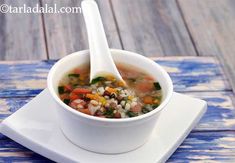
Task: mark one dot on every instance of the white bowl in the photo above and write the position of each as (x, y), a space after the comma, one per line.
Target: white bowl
(100, 134)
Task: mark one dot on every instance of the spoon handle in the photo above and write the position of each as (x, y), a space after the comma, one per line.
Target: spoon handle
(100, 56)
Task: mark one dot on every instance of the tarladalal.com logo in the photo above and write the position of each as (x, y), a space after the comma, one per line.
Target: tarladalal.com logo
(53, 9)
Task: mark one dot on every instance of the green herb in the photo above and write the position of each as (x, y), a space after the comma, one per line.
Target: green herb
(131, 114)
(61, 89)
(132, 79)
(98, 79)
(75, 85)
(109, 112)
(155, 106)
(157, 86)
(145, 110)
(74, 75)
(158, 97)
(67, 101)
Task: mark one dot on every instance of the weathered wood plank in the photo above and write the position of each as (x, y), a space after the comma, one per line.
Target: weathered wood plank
(28, 78)
(10, 105)
(198, 146)
(152, 28)
(23, 78)
(195, 73)
(11, 151)
(219, 116)
(66, 33)
(211, 24)
(206, 147)
(220, 113)
(21, 34)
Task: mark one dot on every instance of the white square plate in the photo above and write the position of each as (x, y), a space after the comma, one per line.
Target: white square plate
(35, 127)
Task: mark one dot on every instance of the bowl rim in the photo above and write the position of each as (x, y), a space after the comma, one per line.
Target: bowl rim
(120, 120)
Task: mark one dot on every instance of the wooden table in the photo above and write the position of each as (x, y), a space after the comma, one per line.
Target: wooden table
(192, 39)
(201, 77)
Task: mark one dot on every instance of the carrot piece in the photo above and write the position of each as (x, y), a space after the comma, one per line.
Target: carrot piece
(111, 90)
(91, 96)
(73, 96)
(85, 111)
(148, 100)
(64, 96)
(144, 87)
(68, 87)
(81, 91)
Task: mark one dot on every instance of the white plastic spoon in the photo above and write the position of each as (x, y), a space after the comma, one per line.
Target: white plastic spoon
(100, 56)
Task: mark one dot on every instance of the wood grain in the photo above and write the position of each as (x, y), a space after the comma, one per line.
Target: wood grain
(198, 146)
(211, 24)
(202, 77)
(206, 147)
(21, 35)
(152, 28)
(28, 78)
(66, 33)
(220, 113)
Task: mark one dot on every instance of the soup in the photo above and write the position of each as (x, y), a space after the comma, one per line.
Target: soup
(106, 97)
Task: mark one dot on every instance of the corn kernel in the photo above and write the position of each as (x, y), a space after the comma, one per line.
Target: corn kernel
(120, 84)
(102, 100)
(110, 78)
(130, 97)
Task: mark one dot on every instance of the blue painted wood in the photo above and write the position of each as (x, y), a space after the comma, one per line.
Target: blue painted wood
(188, 74)
(195, 74)
(212, 140)
(220, 113)
(206, 147)
(26, 78)
(198, 146)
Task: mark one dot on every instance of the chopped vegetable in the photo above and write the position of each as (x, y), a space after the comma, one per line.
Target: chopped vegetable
(136, 108)
(73, 96)
(157, 86)
(132, 79)
(92, 96)
(155, 106)
(109, 112)
(61, 89)
(111, 90)
(145, 110)
(74, 75)
(131, 114)
(107, 97)
(98, 79)
(81, 91)
(148, 99)
(68, 87)
(67, 101)
(117, 115)
(144, 87)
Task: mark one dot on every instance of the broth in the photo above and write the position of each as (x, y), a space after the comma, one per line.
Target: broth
(107, 97)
